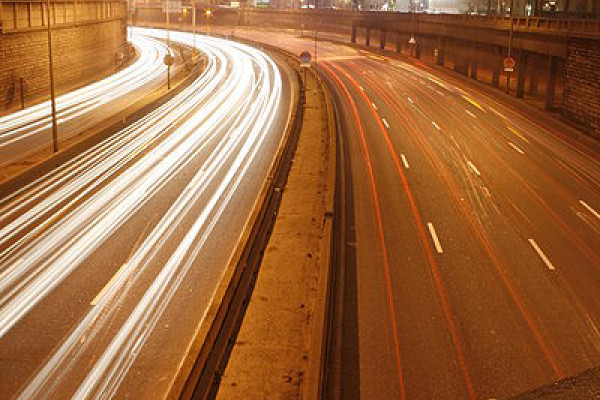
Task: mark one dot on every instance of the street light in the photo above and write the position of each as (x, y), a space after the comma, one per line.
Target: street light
(208, 15)
(52, 94)
(510, 42)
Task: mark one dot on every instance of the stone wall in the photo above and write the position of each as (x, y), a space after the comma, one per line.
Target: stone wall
(581, 98)
(86, 42)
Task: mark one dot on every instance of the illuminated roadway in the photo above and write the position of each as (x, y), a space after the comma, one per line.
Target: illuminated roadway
(30, 130)
(475, 230)
(109, 261)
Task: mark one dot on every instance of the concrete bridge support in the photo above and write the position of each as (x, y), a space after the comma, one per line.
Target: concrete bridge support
(522, 74)
(368, 37)
(382, 40)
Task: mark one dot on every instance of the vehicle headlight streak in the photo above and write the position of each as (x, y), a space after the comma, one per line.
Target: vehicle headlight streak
(22, 129)
(231, 107)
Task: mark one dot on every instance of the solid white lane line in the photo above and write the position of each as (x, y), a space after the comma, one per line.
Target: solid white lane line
(385, 123)
(590, 209)
(404, 161)
(108, 285)
(436, 125)
(516, 148)
(541, 254)
(374, 106)
(473, 167)
(434, 236)
(471, 114)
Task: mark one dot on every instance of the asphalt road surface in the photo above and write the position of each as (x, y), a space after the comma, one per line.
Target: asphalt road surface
(30, 130)
(473, 235)
(476, 237)
(109, 262)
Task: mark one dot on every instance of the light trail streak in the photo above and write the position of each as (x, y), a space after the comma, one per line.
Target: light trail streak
(26, 131)
(226, 115)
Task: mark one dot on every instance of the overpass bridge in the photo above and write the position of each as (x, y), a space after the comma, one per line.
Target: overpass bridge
(557, 60)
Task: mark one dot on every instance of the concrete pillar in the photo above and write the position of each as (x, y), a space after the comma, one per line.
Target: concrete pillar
(368, 37)
(474, 69)
(521, 74)
(353, 34)
(551, 86)
(461, 65)
(398, 43)
(534, 77)
(382, 40)
(496, 67)
(441, 50)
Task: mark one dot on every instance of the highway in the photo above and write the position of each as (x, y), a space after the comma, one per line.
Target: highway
(476, 239)
(108, 262)
(472, 229)
(30, 130)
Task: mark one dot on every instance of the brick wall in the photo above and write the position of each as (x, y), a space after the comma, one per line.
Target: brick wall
(81, 50)
(581, 97)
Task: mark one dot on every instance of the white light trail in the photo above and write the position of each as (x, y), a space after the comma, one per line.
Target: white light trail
(226, 115)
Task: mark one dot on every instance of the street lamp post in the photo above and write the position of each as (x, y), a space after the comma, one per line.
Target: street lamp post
(194, 29)
(52, 94)
(510, 42)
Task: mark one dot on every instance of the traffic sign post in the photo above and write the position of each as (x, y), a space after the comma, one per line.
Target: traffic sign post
(509, 64)
(169, 60)
(305, 58)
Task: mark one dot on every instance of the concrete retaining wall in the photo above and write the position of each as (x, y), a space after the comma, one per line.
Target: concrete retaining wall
(86, 42)
(581, 100)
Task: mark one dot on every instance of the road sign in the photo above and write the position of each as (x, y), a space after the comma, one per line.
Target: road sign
(509, 64)
(305, 57)
(169, 60)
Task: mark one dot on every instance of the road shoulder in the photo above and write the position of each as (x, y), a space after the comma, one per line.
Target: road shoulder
(274, 350)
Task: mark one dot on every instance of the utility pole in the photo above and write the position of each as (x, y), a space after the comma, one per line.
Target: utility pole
(52, 94)
(194, 28)
(510, 42)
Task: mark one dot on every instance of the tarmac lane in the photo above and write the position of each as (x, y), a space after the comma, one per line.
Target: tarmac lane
(475, 268)
(110, 261)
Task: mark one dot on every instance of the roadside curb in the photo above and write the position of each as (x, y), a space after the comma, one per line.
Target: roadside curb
(199, 373)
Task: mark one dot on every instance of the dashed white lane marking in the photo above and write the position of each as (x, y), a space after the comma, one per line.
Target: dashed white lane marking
(385, 123)
(109, 284)
(374, 106)
(404, 161)
(590, 209)
(516, 148)
(434, 236)
(471, 114)
(541, 254)
(411, 100)
(473, 167)
(361, 88)
(436, 125)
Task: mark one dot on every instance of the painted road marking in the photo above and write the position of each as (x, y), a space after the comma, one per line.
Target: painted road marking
(385, 123)
(109, 284)
(411, 100)
(590, 209)
(361, 88)
(404, 161)
(374, 106)
(436, 125)
(516, 148)
(541, 254)
(467, 98)
(473, 167)
(497, 113)
(513, 130)
(434, 236)
(471, 114)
